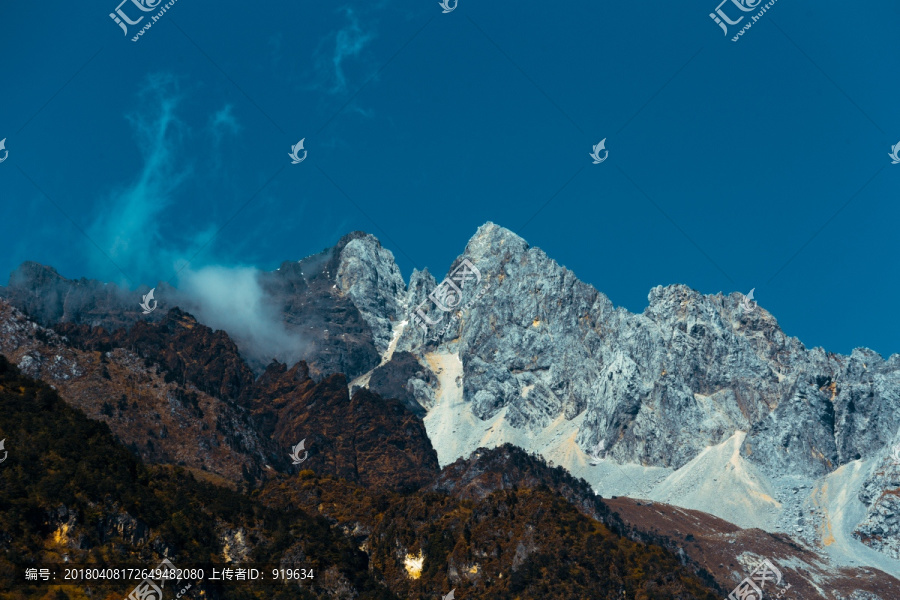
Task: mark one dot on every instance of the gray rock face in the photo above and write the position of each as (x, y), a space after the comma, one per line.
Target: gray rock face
(48, 298)
(336, 335)
(368, 275)
(660, 386)
(421, 283)
(881, 494)
(393, 380)
(520, 312)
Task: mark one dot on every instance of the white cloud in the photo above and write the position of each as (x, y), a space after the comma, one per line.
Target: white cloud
(232, 299)
(127, 228)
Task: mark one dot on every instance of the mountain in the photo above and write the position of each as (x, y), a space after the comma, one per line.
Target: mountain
(180, 393)
(49, 298)
(517, 537)
(69, 491)
(160, 414)
(729, 553)
(362, 438)
(700, 402)
(190, 353)
(336, 307)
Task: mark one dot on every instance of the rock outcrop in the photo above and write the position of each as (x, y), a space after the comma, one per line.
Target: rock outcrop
(880, 493)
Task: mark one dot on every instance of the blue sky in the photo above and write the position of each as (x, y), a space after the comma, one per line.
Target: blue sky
(761, 163)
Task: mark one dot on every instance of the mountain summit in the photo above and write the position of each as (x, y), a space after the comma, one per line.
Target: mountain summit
(700, 401)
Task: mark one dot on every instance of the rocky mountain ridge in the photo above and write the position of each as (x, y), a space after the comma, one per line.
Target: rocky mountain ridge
(542, 351)
(162, 420)
(179, 393)
(315, 298)
(696, 389)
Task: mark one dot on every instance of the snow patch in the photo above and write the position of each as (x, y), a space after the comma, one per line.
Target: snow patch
(720, 482)
(838, 497)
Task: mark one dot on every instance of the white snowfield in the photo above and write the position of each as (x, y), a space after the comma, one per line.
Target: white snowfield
(717, 481)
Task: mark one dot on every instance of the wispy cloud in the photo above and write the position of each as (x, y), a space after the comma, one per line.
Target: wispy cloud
(128, 224)
(135, 222)
(231, 298)
(338, 49)
(134, 229)
(223, 122)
